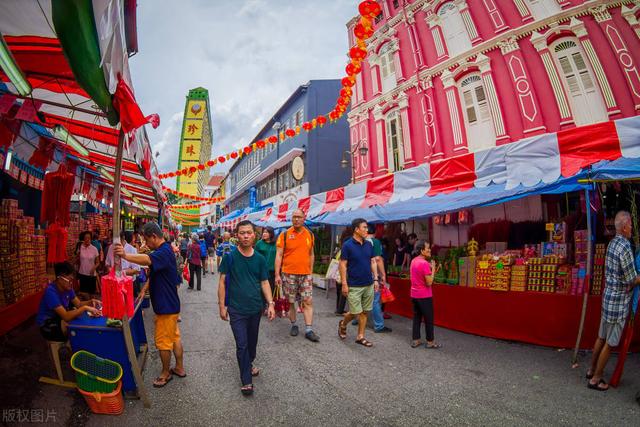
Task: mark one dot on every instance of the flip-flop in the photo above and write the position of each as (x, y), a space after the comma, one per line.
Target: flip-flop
(158, 384)
(588, 375)
(342, 330)
(173, 372)
(364, 342)
(434, 346)
(247, 390)
(597, 386)
(416, 345)
(255, 372)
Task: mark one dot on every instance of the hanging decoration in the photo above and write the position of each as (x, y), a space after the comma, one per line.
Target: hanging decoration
(131, 117)
(56, 196)
(188, 215)
(193, 205)
(368, 9)
(43, 155)
(189, 196)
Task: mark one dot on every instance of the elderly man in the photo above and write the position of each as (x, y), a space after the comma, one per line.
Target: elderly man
(620, 277)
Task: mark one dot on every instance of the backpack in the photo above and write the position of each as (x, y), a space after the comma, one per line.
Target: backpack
(203, 249)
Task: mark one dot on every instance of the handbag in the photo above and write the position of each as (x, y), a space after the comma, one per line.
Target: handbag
(386, 296)
(333, 270)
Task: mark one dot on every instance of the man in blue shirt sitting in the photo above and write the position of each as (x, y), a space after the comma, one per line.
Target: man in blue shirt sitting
(60, 305)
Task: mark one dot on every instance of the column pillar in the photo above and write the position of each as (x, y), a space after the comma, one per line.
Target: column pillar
(438, 38)
(468, 21)
(412, 31)
(455, 111)
(631, 19)
(427, 102)
(403, 104)
(499, 25)
(492, 98)
(527, 100)
(626, 61)
(381, 143)
(523, 10)
(540, 44)
(580, 31)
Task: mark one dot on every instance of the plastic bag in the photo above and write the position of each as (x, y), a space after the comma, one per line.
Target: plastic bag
(386, 295)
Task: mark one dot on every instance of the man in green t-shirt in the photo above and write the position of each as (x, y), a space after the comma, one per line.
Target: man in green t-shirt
(243, 283)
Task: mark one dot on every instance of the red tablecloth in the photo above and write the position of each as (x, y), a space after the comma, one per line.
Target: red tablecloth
(533, 317)
(14, 314)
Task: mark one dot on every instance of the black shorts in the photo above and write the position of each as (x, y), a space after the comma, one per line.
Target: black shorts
(87, 283)
(52, 330)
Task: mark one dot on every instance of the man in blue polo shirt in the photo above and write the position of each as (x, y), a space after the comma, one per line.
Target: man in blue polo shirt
(358, 275)
(163, 282)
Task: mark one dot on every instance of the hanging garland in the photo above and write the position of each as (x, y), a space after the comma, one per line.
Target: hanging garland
(368, 9)
(189, 196)
(192, 205)
(188, 215)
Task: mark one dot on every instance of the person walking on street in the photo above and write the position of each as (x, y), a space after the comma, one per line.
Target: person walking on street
(294, 264)
(224, 248)
(88, 263)
(195, 262)
(203, 254)
(243, 285)
(422, 271)
(267, 248)
(210, 240)
(163, 281)
(358, 275)
(184, 245)
(376, 313)
(620, 277)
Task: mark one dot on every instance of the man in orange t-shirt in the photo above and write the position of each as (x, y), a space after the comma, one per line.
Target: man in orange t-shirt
(294, 265)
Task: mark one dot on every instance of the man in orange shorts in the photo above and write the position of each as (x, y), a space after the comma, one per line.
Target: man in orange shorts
(163, 281)
(294, 264)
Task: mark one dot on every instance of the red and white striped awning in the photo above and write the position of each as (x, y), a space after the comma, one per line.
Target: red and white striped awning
(526, 163)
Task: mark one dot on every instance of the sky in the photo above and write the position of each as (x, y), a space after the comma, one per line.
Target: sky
(250, 54)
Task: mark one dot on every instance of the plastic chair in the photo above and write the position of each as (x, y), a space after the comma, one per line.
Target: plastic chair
(54, 349)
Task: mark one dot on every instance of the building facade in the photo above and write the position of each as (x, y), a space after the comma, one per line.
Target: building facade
(297, 167)
(447, 77)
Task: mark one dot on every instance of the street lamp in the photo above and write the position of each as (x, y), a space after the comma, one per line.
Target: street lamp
(362, 151)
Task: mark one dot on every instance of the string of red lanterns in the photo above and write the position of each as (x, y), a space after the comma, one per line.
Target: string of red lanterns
(189, 196)
(368, 9)
(187, 215)
(193, 205)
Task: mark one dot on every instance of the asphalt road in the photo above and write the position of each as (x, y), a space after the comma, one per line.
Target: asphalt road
(470, 381)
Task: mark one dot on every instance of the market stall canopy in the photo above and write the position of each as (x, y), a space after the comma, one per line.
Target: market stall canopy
(74, 59)
(549, 163)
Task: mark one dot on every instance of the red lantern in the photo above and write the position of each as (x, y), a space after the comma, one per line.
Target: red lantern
(273, 139)
(210, 163)
(345, 92)
(347, 82)
(290, 133)
(362, 32)
(350, 69)
(369, 8)
(201, 167)
(192, 169)
(357, 53)
(260, 143)
(322, 120)
(221, 159)
(178, 173)
(171, 174)
(342, 101)
(185, 171)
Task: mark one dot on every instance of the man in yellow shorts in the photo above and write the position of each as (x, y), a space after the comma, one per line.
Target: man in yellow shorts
(163, 281)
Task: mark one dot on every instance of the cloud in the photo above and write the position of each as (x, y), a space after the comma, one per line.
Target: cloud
(250, 54)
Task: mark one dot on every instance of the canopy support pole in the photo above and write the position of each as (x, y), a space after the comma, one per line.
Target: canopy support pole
(587, 279)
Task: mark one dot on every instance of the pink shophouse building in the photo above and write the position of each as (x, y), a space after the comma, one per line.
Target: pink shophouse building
(447, 77)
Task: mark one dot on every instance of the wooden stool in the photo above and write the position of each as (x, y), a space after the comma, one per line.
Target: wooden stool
(54, 349)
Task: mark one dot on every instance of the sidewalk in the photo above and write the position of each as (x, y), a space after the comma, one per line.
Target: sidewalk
(470, 381)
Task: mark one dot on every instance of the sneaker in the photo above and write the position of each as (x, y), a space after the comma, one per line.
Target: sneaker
(383, 330)
(312, 336)
(294, 331)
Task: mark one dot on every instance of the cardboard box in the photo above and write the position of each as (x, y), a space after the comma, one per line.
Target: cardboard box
(467, 270)
(496, 247)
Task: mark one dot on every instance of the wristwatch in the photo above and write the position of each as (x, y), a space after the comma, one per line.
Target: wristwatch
(271, 303)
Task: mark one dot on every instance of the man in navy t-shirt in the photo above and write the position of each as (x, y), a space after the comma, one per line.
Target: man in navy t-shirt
(163, 282)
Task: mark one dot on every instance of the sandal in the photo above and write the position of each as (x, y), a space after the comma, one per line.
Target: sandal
(364, 342)
(416, 344)
(588, 375)
(597, 386)
(434, 346)
(342, 330)
(173, 372)
(161, 382)
(255, 372)
(247, 390)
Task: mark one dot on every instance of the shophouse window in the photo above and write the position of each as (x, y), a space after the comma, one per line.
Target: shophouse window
(579, 82)
(477, 114)
(455, 33)
(395, 145)
(299, 117)
(378, 18)
(396, 4)
(387, 68)
(543, 8)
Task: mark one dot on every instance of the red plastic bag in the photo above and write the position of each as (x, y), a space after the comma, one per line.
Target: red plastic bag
(282, 304)
(386, 295)
(185, 272)
(117, 295)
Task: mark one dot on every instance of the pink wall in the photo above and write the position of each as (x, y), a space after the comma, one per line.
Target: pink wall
(510, 104)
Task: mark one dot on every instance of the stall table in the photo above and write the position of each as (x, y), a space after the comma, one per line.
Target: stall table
(539, 318)
(93, 335)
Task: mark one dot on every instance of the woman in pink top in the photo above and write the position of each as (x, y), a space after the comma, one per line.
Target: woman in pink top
(422, 272)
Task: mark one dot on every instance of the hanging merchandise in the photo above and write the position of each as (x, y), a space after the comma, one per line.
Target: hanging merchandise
(43, 155)
(56, 196)
(56, 243)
